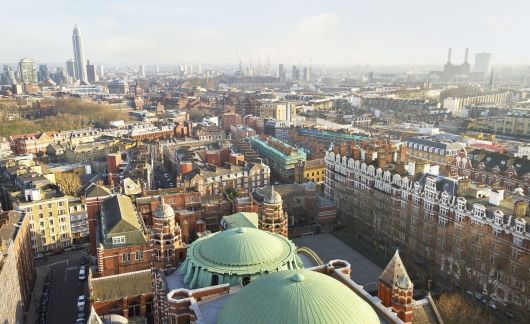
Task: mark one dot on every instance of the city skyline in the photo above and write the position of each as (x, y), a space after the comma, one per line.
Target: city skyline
(315, 32)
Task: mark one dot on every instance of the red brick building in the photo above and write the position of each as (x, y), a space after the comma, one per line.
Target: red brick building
(33, 143)
(395, 289)
(127, 294)
(93, 196)
(122, 243)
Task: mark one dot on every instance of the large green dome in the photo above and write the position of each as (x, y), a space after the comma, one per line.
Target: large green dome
(296, 296)
(237, 256)
(243, 247)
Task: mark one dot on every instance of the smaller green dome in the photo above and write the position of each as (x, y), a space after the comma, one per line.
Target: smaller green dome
(296, 297)
(236, 256)
(243, 247)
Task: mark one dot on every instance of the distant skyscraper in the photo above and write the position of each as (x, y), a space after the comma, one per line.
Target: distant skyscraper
(92, 76)
(70, 69)
(281, 72)
(60, 76)
(28, 71)
(79, 55)
(482, 63)
(8, 75)
(307, 73)
(101, 71)
(157, 69)
(295, 74)
(42, 74)
(141, 71)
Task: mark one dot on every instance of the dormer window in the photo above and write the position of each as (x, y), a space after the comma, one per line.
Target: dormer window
(519, 227)
(118, 240)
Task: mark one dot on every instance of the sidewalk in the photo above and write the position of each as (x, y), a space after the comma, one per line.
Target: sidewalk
(36, 294)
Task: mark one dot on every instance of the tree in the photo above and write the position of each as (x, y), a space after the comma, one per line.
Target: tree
(454, 308)
(68, 182)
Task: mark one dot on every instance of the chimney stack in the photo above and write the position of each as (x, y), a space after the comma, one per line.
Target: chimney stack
(466, 56)
(449, 56)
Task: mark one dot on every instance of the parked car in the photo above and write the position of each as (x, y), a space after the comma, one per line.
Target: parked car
(81, 314)
(58, 251)
(80, 321)
(82, 274)
(81, 302)
(38, 256)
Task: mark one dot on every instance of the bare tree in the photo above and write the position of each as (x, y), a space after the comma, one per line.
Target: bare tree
(68, 182)
(454, 308)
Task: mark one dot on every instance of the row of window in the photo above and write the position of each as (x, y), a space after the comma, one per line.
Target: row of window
(127, 257)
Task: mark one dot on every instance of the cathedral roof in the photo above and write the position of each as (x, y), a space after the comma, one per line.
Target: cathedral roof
(240, 251)
(296, 296)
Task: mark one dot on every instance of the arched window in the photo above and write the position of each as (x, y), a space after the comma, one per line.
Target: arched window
(134, 309)
(215, 280)
(246, 281)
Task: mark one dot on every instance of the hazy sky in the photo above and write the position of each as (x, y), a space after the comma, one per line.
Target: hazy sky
(289, 31)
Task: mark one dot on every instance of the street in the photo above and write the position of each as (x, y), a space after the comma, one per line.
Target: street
(66, 287)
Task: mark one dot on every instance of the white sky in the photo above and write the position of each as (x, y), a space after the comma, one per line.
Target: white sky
(290, 31)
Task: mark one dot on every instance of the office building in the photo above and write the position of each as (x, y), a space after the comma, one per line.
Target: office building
(281, 73)
(79, 55)
(28, 71)
(8, 75)
(101, 70)
(281, 157)
(482, 63)
(42, 74)
(70, 69)
(306, 74)
(141, 71)
(118, 87)
(92, 76)
(295, 73)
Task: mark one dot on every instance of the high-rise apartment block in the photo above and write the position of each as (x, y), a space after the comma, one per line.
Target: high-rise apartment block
(79, 55)
(28, 71)
(92, 75)
(482, 63)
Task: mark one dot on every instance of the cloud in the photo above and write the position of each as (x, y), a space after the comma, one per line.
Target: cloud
(325, 22)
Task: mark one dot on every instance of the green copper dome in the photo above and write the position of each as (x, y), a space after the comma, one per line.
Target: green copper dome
(296, 296)
(243, 247)
(237, 256)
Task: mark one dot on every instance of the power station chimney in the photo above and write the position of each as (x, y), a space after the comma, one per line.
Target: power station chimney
(449, 56)
(466, 56)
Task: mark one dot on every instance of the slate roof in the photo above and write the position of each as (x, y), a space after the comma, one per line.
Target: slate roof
(119, 218)
(94, 190)
(122, 285)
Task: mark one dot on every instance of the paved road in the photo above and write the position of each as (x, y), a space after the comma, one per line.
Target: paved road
(66, 289)
(328, 247)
